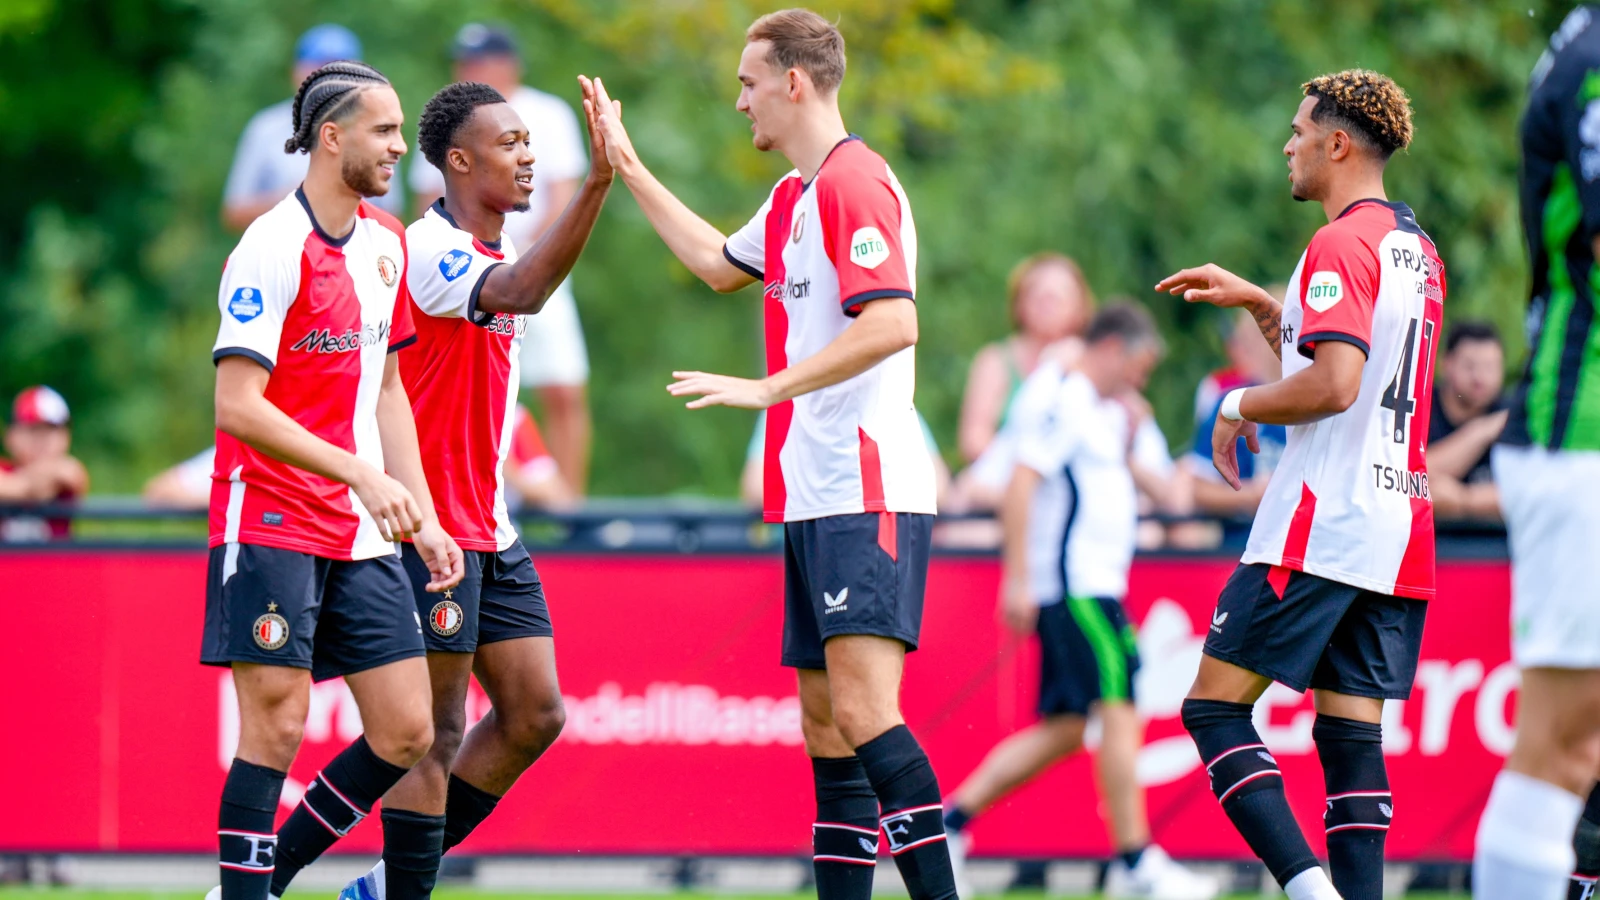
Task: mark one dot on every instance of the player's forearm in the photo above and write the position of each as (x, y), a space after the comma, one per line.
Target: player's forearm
(1326, 388)
(266, 428)
(1268, 314)
(694, 241)
(884, 328)
(397, 432)
(525, 286)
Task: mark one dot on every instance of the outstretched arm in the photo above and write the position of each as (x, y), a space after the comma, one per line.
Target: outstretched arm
(1213, 284)
(693, 240)
(524, 286)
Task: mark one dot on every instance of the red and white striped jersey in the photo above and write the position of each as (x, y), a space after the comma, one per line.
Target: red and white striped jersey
(461, 376)
(321, 315)
(823, 250)
(1349, 501)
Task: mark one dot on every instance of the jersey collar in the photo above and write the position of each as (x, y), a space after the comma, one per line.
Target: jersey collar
(847, 139)
(330, 240)
(438, 207)
(1390, 204)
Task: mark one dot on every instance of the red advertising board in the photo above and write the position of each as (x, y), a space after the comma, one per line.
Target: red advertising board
(117, 739)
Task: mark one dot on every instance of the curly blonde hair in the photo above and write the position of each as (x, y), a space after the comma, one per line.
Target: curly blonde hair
(1368, 104)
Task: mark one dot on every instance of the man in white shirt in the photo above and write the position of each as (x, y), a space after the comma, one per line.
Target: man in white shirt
(262, 174)
(554, 361)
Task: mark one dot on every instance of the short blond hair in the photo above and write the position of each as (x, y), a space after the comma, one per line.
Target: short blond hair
(803, 40)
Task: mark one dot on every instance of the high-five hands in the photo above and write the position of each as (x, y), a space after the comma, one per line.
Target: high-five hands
(605, 119)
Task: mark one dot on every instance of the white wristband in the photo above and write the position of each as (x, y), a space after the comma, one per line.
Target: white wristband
(1230, 405)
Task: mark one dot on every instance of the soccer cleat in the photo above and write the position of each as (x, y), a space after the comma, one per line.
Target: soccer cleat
(1158, 877)
(957, 842)
(368, 887)
(216, 894)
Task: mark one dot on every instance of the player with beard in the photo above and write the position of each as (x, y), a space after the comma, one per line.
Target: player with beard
(1331, 592)
(473, 292)
(847, 470)
(317, 474)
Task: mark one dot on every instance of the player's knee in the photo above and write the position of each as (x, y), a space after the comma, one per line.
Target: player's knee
(403, 742)
(859, 723)
(534, 729)
(449, 730)
(273, 740)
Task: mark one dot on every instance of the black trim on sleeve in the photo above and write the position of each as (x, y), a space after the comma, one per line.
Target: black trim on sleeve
(246, 352)
(748, 270)
(396, 348)
(852, 304)
(475, 315)
(330, 240)
(1309, 352)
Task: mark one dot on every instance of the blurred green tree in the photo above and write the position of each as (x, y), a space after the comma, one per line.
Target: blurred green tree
(1137, 136)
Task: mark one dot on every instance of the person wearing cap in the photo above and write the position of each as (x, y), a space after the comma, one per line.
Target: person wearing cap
(262, 174)
(38, 468)
(554, 361)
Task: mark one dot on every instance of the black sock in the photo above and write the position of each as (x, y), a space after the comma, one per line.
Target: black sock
(844, 839)
(412, 845)
(246, 846)
(336, 801)
(1130, 858)
(464, 810)
(1359, 806)
(956, 820)
(1247, 782)
(912, 819)
(1586, 841)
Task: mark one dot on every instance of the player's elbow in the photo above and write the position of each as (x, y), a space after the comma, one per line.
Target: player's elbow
(1338, 395)
(725, 282)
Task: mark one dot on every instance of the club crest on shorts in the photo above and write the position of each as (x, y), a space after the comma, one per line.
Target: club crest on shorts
(388, 271)
(271, 631)
(445, 619)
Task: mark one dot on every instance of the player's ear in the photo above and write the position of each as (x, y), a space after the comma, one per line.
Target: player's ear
(328, 136)
(796, 78)
(456, 158)
(1338, 144)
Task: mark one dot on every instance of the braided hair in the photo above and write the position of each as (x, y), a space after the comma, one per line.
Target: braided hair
(444, 115)
(328, 93)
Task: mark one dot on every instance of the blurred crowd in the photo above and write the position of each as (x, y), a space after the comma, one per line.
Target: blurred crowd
(1047, 297)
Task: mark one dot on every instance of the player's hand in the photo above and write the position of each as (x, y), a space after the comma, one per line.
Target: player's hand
(1017, 609)
(1211, 284)
(605, 115)
(1225, 436)
(441, 554)
(389, 503)
(599, 161)
(722, 390)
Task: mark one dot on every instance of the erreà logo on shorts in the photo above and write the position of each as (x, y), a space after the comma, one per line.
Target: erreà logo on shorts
(454, 263)
(1324, 290)
(868, 249)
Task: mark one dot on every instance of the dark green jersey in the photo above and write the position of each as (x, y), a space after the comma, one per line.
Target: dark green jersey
(1557, 404)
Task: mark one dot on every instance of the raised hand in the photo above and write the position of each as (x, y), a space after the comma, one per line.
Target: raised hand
(605, 120)
(721, 390)
(1212, 284)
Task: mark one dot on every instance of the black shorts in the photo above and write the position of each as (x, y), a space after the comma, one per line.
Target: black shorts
(1087, 654)
(499, 598)
(840, 578)
(1305, 631)
(284, 608)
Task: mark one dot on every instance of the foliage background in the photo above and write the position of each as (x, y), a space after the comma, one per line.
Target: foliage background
(1137, 136)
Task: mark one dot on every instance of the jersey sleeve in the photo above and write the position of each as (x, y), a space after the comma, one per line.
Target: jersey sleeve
(446, 271)
(259, 283)
(1048, 438)
(1577, 120)
(861, 220)
(1338, 290)
(747, 247)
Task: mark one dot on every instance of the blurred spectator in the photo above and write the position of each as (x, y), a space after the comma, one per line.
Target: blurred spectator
(554, 360)
(1251, 362)
(533, 478)
(39, 468)
(751, 488)
(1468, 414)
(1050, 301)
(186, 485)
(262, 173)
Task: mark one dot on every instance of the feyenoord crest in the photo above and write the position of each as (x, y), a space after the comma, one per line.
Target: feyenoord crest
(271, 630)
(799, 226)
(446, 618)
(387, 271)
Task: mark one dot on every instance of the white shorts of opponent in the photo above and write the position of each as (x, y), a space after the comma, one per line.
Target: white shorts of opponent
(1551, 503)
(552, 347)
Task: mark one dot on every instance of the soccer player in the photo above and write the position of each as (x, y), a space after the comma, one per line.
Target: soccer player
(317, 474)
(473, 294)
(1546, 468)
(1331, 592)
(847, 470)
(1070, 518)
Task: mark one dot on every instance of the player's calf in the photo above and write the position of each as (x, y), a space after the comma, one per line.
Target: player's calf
(1359, 804)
